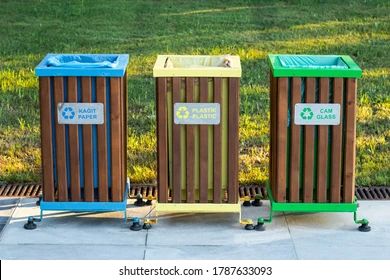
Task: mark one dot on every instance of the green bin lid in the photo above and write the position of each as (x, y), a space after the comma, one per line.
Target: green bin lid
(341, 66)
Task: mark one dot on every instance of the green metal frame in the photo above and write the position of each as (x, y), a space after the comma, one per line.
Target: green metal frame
(278, 70)
(310, 208)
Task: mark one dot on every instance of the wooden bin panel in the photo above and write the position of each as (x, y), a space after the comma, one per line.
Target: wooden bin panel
(201, 151)
(321, 164)
(69, 152)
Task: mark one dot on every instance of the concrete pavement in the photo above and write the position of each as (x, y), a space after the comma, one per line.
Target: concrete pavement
(197, 236)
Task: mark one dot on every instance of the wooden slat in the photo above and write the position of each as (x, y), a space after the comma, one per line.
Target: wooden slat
(102, 142)
(203, 145)
(281, 141)
(337, 140)
(75, 192)
(309, 146)
(272, 151)
(190, 146)
(176, 151)
(162, 141)
(60, 143)
(217, 195)
(87, 143)
(295, 143)
(116, 142)
(46, 142)
(322, 154)
(350, 141)
(125, 129)
(233, 141)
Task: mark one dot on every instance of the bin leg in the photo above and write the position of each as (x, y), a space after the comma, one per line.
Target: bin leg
(364, 227)
(30, 225)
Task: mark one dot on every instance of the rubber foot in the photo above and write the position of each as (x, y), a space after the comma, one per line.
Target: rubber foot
(148, 202)
(135, 227)
(257, 203)
(247, 203)
(147, 226)
(139, 202)
(260, 227)
(30, 225)
(364, 228)
(249, 227)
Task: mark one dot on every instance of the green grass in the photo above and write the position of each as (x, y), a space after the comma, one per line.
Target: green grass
(251, 29)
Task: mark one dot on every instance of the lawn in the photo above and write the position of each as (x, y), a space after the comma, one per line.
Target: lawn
(251, 29)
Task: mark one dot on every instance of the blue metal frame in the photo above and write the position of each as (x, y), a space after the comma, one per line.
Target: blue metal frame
(87, 206)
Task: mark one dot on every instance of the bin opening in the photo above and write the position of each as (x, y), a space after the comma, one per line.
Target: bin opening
(83, 61)
(312, 62)
(197, 61)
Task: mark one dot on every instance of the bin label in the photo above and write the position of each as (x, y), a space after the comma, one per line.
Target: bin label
(197, 113)
(80, 113)
(317, 114)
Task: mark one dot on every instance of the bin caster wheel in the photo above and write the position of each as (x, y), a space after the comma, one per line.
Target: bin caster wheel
(257, 202)
(139, 202)
(136, 226)
(246, 203)
(260, 227)
(249, 227)
(364, 227)
(147, 226)
(30, 225)
(148, 202)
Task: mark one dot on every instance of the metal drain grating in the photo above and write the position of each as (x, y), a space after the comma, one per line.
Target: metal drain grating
(373, 193)
(253, 190)
(34, 190)
(20, 190)
(144, 190)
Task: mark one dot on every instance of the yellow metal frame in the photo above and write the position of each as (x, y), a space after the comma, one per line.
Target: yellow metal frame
(198, 207)
(160, 69)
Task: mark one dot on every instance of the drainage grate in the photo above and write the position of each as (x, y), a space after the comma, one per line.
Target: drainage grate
(253, 190)
(144, 190)
(34, 190)
(20, 190)
(373, 193)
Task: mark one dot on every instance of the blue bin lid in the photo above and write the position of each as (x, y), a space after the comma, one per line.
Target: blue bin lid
(106, 65)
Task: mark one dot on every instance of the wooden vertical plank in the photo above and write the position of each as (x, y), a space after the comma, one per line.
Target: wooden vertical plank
(281, 139)
(337, 141)
(176, 151)
(350, 141)
(309, 146)
(87, 143)
(272, 151)
(190, 146)
(125, 129)
(295, 143)
(233, 141)
(322, 154)
(217, 149)
(75, 192)
(46, 141)
(102, 142)
(116, 148)
(60, 142)
(162, 141)
(203, 144)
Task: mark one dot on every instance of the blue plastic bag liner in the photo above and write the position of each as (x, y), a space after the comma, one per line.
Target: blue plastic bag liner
(312, 62)
(107, 65)
(83, 61)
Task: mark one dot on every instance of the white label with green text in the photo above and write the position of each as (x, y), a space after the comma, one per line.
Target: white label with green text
(197, 113)
(317, 114)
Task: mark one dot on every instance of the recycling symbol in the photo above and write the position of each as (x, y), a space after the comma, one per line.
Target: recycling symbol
(307, 113)
(182, 113)
(68, 113)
